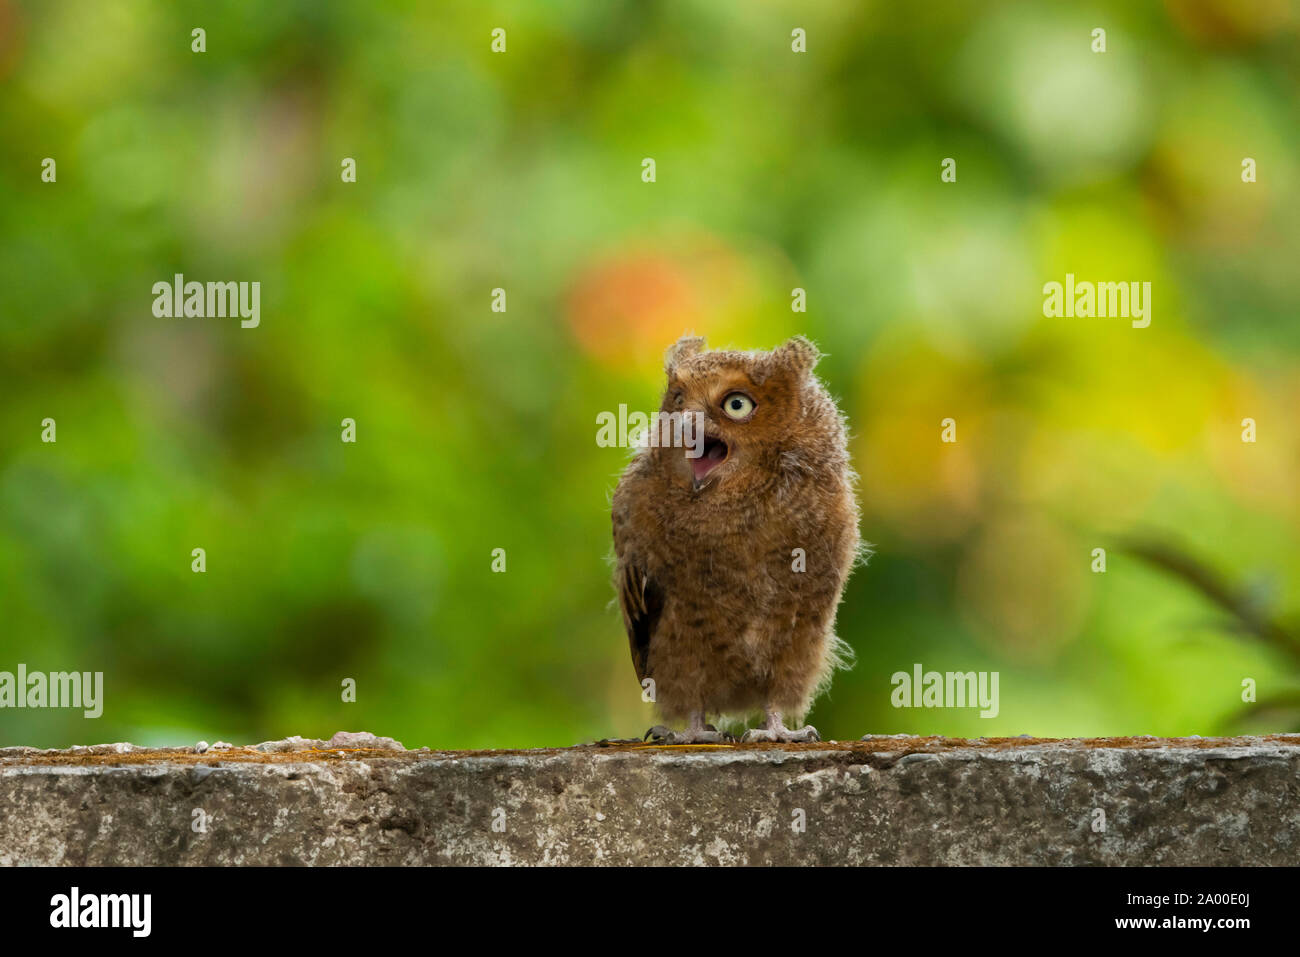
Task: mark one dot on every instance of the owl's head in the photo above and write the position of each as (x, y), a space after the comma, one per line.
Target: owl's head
(754, 407)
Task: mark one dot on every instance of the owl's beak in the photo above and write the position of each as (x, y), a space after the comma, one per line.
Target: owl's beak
(715, 453)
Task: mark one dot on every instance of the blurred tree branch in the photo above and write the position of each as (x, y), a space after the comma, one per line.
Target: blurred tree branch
(1248, 617)
(1247, 614)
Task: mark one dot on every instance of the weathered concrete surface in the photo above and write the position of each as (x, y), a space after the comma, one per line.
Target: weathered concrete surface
(884, 800)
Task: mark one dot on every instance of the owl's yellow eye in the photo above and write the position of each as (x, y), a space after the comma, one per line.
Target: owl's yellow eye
(738, 406)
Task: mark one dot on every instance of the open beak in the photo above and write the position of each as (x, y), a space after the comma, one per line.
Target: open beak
(714, 454)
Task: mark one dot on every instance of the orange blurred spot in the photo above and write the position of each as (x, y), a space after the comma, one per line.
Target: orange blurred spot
(627, 310)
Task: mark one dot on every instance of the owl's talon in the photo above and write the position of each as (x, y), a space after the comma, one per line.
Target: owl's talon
(805, 735)
(705, 735)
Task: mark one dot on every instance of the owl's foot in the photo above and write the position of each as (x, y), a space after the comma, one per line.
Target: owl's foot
(804, 735)
(776, 731)
(695, 732)
(707, 734)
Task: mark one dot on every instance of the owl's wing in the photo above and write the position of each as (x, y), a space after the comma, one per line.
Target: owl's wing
(642, 602)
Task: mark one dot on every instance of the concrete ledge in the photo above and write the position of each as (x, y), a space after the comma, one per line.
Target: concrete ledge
(357, 799)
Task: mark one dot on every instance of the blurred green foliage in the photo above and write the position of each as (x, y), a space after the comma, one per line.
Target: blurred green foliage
(476, 430)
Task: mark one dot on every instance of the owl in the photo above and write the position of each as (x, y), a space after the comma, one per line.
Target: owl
(732, 550)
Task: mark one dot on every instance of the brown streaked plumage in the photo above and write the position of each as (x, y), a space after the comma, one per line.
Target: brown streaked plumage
(716, 611)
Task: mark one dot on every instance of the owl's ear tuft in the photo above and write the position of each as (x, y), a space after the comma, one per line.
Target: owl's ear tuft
(798, 355)
(682, 349)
